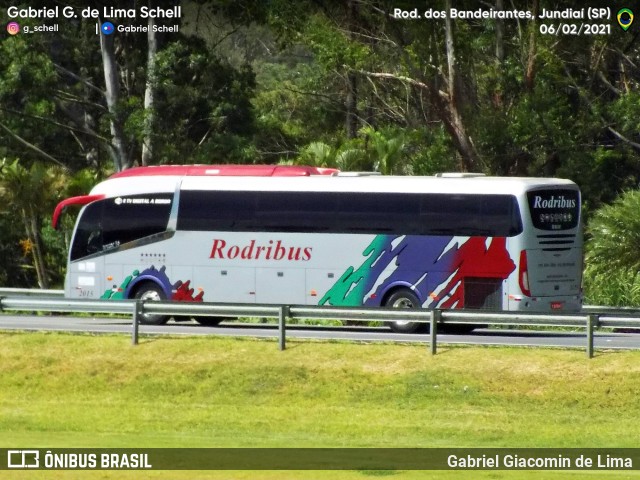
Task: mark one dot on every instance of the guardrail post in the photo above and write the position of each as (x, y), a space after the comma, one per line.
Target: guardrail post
(1, 303)
(592, 322)
(137, 312)
(282, 326)
(436, 316)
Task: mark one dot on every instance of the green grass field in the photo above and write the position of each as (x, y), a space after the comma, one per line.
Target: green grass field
(60, 390)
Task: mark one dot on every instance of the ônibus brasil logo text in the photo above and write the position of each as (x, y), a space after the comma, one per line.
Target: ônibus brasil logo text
(272, 250)
(554, 202)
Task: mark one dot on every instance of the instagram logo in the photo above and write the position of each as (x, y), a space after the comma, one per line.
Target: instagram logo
(13, 28)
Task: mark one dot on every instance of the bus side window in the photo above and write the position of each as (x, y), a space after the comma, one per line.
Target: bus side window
(391, 213)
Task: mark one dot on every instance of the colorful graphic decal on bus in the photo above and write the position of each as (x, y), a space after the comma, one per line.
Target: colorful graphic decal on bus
(434, 267)
(180, 291)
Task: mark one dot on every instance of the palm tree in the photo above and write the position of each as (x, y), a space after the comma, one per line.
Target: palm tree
(345, 158)
(388, 146)
(612, 257)
(30, 192)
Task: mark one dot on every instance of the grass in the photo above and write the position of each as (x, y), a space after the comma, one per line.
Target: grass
(61, 390)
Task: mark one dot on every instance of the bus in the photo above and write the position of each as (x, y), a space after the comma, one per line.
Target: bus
(298, 235)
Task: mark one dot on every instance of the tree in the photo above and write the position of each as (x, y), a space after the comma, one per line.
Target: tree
(390, 151)
(30, 192)
(117, 146)
(149, 94)
(27, 79)
(347, 157)
(203, 108)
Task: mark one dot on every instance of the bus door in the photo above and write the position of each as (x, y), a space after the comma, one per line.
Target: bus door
(84, 273)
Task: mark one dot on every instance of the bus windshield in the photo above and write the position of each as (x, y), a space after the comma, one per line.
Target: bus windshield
(106, 224)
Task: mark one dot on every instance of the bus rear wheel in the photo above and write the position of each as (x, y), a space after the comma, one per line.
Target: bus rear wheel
(405, 299)
(150, 292)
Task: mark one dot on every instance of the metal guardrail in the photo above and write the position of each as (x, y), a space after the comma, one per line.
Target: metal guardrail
(591, 318)
(35, 292)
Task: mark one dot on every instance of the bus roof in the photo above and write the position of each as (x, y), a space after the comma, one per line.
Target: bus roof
(226, 171)
(167, 178)
(385, 183)
(131, 184)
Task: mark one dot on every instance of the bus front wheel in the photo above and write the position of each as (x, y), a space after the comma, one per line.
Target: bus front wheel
(150, 292)
(405, 299)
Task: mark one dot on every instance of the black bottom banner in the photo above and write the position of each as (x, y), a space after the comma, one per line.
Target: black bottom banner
(320, 459)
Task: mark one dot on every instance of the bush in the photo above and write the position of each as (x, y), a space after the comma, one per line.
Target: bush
(612, 257)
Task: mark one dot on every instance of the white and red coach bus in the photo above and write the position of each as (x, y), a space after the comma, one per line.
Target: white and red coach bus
(308, 236)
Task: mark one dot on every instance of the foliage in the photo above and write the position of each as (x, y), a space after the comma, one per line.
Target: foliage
(33, 251)
(432, 152)
(28, 77)
(204, 114)
(30, 192)
(615, 232)
(332, 83)
(15, 269)
(612, 273)
(390, 151)
(618, 288)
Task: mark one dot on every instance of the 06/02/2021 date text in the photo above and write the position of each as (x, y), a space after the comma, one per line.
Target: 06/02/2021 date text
(575, 29)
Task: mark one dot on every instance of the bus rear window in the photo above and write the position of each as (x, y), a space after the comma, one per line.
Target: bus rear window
(557, 209)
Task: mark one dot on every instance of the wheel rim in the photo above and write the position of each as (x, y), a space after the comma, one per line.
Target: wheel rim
(403, 303)
(150, 295)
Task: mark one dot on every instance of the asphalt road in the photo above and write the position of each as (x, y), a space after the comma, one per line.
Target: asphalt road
(577, 339)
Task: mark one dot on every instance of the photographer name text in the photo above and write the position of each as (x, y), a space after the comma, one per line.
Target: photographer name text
(90, 12)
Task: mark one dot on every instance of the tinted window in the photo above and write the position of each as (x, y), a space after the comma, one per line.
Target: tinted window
(554, 209)
(88, 236)
(216, 211)
(295, 211)
(379, 213)
(109, 223)
(346, 212)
